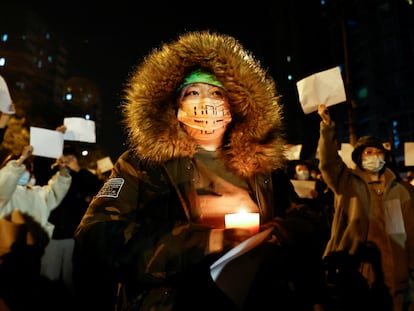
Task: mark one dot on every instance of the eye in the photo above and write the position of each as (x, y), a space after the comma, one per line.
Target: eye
(191, 93)
(217, 94)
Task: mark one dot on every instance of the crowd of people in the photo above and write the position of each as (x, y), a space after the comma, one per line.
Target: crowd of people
(206, 139)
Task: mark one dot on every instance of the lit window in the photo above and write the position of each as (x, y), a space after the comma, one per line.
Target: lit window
(68, 96)
(2, 61)
(4, 37)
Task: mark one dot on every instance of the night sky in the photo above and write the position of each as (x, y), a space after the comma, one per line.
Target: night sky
(105, 41)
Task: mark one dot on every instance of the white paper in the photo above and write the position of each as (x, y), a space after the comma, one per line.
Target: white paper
(304, 188)
(292, 152)
(46, 143)
(409, 154)
(104, 164)
(5, 99)
(237, 251)
(325, 87)
(79, 129)
(394, 222)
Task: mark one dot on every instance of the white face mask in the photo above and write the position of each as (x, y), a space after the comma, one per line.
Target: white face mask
(373, 163)
(302, 175)
(24, 179)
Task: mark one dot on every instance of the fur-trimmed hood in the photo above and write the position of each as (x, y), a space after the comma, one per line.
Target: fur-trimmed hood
(254, 142)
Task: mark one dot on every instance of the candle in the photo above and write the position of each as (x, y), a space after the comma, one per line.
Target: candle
(250, 221)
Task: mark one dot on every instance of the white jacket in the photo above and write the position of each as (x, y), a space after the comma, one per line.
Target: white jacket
(36, 201)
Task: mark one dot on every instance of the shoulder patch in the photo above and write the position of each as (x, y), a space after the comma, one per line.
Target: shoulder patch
(111, 188)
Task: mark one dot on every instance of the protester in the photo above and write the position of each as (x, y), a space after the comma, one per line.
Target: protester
(57, 260)
(205, 135)
(37, 201)
(371, 208)
(314, 199)
(24, 212)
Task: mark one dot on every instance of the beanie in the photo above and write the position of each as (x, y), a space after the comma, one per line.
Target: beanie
(362, 143)
(200, 76)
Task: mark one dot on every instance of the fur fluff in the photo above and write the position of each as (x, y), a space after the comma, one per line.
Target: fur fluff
(254, 142)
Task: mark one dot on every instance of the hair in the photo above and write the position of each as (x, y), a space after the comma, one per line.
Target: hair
(70, 150)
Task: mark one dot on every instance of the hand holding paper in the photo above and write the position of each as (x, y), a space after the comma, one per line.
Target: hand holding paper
(325, 87)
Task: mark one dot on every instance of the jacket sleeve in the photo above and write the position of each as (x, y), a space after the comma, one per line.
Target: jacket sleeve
(56, 190)
(9, 176)
(330, 163)
(136, 228)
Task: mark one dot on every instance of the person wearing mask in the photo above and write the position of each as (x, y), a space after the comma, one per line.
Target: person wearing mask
(19, 192)
(312, 200)
(371, 208)
(24, 210)
(205, 136)
(57, 260)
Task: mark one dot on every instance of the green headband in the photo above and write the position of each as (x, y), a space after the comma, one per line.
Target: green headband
(199, 76)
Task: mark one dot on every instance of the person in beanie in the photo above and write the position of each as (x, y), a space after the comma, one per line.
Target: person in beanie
(205, 136)
(371, 208)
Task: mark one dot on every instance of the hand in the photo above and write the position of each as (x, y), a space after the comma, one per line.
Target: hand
(62, 129)
(234, 236)
(26, 152)
(62, 163)
(324, 114)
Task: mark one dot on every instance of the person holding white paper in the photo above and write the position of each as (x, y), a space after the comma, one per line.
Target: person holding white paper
(17, 191)
(371, 207)
(206, 136)
(29, 205)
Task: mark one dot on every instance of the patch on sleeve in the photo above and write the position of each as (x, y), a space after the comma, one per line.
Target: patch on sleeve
(111, 188)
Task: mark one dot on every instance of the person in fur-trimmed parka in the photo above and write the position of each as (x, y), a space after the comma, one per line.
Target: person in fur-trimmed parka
(205, 132)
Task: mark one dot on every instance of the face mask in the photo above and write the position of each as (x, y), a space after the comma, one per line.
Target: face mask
(302, 175)
(206, 115)
(24, 179)
(373, 163)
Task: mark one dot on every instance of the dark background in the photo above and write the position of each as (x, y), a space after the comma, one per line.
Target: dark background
(106, 40)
